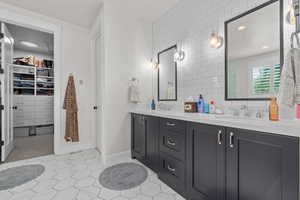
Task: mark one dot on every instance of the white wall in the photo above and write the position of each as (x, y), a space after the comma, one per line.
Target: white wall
(127, 43)
(76, 59)
(189, 24)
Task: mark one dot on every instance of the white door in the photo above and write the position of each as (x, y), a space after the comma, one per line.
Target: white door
(7, 92)
(99, 89)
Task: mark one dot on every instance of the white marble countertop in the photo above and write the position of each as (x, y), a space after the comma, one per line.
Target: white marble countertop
(282, 127)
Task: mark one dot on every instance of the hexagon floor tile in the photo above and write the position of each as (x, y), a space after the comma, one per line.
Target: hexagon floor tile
(75, 177)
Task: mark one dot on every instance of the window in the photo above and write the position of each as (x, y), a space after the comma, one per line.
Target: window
(266, 80)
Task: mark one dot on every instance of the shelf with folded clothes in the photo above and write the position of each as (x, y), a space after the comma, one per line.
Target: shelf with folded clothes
(19, 80)
(23, 84)
(24, 91)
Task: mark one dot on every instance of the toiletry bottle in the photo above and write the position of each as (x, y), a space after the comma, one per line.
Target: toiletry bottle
(206, 108)
(212, 107)
(200, 104)
(297, 107)
(153, 106)
(273, 110)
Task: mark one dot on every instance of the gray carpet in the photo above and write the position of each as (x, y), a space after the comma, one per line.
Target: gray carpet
(123, 176)
(17, 176)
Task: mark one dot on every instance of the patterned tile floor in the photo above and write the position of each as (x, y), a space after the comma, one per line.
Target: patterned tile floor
(75, 177)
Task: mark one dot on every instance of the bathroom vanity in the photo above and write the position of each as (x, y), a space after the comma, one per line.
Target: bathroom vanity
(206, 157)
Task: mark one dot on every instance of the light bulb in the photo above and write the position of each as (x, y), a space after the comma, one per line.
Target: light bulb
(216, 41)
(290, 17)
(154, 65)
(179, 56)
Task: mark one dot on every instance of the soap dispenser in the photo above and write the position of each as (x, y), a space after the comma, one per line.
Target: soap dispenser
(273, 110)
(153, 106)
(200, 104)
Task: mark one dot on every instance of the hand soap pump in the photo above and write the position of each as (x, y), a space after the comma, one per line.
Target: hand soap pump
(273, 110)
(200, 104)
(153, 106)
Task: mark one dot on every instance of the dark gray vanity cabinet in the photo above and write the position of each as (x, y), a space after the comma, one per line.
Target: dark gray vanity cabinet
(144, 140)
(205, 162)
(172, 152)
(261, 166)
(138, 136)
(208, 162)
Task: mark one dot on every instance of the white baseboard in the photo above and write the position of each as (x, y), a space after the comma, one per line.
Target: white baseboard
(72, 148)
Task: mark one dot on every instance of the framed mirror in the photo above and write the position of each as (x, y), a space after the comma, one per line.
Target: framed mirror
(167, 75)
(254, 53)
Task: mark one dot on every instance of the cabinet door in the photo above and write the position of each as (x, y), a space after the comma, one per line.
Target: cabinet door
(152, 133)
(205, 162)
(261, 166)
(138, 136)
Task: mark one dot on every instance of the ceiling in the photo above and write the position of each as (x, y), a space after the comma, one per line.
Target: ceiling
(83, 12)
(79, 12)
(45, 41)
(262, 33)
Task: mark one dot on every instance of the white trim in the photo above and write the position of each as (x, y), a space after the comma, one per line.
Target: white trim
(75, 147)
(116, 157)
(42, 25)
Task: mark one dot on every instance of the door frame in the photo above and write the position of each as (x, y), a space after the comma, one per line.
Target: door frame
(28, 20)
(98, 132)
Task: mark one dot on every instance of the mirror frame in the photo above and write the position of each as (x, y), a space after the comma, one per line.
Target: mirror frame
(175, 65)
(281, 46)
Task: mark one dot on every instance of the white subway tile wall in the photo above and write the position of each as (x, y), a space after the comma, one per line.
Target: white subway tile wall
(189, 25)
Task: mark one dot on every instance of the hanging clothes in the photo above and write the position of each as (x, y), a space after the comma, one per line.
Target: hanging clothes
(70, 105)
(289, 93)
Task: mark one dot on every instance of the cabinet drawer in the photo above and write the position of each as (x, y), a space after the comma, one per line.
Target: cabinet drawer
(173, 144)
(172, 172)
(172, 125)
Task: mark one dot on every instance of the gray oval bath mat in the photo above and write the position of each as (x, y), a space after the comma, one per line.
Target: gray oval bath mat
(123, 176)
(17, 176)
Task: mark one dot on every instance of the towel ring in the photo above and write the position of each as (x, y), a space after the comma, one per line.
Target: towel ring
(297, 40)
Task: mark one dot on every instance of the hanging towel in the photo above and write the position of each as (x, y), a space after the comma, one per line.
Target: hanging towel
(134, 93)
(289, 93)
(70, 105)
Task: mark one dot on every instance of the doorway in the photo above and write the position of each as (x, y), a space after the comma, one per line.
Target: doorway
(27, 93)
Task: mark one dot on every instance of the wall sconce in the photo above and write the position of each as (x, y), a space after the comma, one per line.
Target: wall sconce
(154, 64)
(290, 17)
(216, 41)
(179, 56)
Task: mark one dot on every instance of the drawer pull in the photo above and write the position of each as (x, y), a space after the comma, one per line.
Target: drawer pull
(170, 124)
(231, 140)
(171, 143)
(171, 169)
(220, 137)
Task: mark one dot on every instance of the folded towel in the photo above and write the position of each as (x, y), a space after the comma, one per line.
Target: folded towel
(289, 93)
(134, 93)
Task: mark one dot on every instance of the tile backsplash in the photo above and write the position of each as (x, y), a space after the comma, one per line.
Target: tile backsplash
(189, 25)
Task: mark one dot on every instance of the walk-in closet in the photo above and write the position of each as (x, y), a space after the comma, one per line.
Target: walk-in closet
(27, 92)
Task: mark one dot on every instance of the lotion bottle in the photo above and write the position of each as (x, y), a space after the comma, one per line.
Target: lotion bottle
(273, 110)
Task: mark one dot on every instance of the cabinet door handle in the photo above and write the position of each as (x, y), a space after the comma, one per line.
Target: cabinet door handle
(170, 124)
(231, 140)
(171, 169)
(170, 142)
(220, 137)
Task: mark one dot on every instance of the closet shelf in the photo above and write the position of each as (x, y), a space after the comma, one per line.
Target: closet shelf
(45, 77)
(27, 88)
(44, 88)
(24, 73)
(31, 81)
(23, 66)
